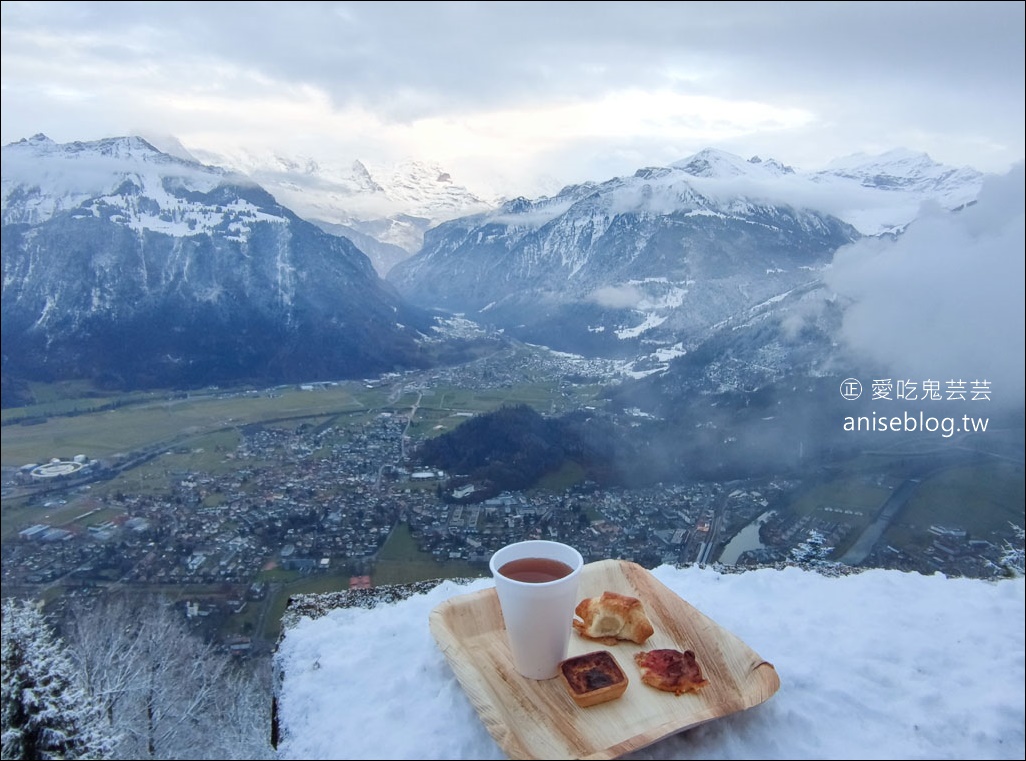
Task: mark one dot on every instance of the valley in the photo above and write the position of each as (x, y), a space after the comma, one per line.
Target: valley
(232, 500)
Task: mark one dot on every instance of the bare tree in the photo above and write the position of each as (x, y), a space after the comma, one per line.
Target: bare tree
(167, 693)
(106, 653)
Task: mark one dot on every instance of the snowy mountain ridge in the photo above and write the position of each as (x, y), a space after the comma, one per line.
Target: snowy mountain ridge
(394, 204)
(902, 169)
(146, 189)
(137, 268)
(640, 260)
(716, 163)
(651, 263)
(878, 194)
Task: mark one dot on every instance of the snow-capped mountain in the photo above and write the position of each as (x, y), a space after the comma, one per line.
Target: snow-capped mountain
(658, 259)
(41, 178)
(875, 194)
(393, 205)
(720, 164)
(126, 264)
(649, 260)
(893, 187)
(646, 265)
(909, 171)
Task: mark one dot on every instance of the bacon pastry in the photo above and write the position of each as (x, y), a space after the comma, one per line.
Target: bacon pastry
(671, 670)
(613, 617)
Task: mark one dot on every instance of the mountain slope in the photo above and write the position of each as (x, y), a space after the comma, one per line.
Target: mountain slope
(135, 268)
(649, 265)
(653, 258)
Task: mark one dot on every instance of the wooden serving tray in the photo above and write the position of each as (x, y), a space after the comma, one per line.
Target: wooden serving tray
(539, 719)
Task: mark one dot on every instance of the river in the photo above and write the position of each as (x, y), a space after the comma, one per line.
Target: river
(745, 539)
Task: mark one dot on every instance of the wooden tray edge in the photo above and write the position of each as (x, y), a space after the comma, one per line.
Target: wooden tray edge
(763, 680)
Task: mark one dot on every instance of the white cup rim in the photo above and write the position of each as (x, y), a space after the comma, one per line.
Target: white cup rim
(575, 566)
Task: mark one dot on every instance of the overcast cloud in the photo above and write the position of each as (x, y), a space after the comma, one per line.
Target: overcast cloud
(502, 93)
(945, 301)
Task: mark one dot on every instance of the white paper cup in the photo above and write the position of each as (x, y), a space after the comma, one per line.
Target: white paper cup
(538, 615)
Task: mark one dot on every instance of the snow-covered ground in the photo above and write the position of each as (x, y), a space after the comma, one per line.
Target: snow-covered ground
(881, 664)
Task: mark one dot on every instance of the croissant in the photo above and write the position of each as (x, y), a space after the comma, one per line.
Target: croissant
(612, 617)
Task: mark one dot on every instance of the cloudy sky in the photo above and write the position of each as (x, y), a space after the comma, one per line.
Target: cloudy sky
(504, 93)
(946, 299)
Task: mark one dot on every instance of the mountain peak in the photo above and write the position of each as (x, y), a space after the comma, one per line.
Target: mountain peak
(127, 145)
(80, 172)
(39, 139)
(715, 163)
(895, 157)
(365, 178)
(170, 145)
(910, 171)
(712, 162)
